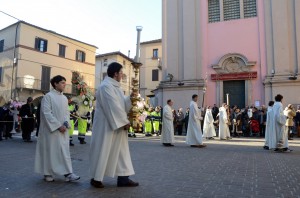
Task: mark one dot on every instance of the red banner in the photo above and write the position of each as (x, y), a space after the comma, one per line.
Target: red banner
(235, 76)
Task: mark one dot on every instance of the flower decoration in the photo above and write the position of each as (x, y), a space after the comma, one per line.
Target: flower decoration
(82, 89)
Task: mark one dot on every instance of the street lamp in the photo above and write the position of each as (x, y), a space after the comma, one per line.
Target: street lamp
(137, 56)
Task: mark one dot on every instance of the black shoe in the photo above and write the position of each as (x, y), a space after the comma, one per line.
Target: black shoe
(82, 142)
(266, 147)
(130, 183)
(96, 184)
(199, 146)
(71, 144)
(168, 144)
(284, 149)
(27, 140)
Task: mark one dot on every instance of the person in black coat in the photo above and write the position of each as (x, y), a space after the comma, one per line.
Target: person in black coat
(2, 115)
(27, 116)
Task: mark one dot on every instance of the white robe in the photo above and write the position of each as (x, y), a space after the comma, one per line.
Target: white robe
(52, 150)
(208, 126)
(279, 126)
(223, 126)
(109, 151)
(194, 132)
(270, 137)
(167, 132)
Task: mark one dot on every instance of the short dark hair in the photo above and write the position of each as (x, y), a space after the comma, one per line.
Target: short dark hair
(271, 103)
(57, 79)
(168, 101)
(278, 98)
(29, 99)
(113, 68)
(194, 96)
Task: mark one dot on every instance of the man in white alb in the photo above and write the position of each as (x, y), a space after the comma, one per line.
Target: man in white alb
(194, 132)
(52, 150)
(109, 152)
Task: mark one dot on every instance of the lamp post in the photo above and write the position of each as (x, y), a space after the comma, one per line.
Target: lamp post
(134, 111)
(204, 90)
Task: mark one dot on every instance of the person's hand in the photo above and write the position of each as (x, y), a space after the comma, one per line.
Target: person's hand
(126, 127)
(62, 129)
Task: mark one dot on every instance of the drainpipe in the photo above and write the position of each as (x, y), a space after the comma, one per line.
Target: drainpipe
(13, 91)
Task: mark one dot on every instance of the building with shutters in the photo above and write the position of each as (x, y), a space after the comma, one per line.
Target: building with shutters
(30, 56)
(248, 49)
(151, 70)
(102, 62)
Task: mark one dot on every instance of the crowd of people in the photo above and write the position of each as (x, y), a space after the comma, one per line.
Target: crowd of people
(248, 121)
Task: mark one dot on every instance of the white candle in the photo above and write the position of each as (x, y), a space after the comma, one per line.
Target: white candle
(227, 99)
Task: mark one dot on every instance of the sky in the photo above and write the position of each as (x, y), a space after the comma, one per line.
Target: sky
(108, 24)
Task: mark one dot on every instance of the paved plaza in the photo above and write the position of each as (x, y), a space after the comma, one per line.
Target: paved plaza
(235, 168)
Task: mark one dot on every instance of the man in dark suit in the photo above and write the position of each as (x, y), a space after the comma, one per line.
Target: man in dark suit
(27, 116)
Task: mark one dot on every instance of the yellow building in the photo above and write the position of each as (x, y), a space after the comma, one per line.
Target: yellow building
(30, 56)
(151, 70)
(103, 60)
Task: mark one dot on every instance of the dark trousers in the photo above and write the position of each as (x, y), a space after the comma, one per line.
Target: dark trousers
(1, 130)
(27, 127)
(179, 127)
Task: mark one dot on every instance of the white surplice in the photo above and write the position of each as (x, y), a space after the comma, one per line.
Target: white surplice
(167, 132)
(194, 132)
(109, 151)
(208, 126)
(223, 126)
(279, 126)
(52, 150)
(270, 137)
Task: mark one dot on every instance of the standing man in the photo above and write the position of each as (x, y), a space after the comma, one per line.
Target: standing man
(290, 113)
(52, 150)
(180, 121)
(27, 116)
(156, 120)
(215, 111)
(279, 125)
(167, 133)
(194, 132)
(208, 127)
(109, 152)
(270, 137)
(223, 123)
(186, 119)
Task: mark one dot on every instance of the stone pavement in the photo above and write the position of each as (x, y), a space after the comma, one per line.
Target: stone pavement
(235, 168)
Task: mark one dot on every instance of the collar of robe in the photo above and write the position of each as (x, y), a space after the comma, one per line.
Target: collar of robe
(57, 92)
(113, 81)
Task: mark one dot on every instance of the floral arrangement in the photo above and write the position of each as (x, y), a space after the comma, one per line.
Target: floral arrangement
(84, 93)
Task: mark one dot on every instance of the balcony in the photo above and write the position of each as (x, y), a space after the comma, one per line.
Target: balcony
(43, 86)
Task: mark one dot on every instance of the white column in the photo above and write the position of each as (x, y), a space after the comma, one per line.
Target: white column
(221, 10)
(242, 9)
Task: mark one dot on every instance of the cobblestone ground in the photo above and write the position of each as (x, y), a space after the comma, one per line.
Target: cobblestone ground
(235, 168)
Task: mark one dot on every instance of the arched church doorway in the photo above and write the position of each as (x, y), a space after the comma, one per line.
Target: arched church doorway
(236, 92)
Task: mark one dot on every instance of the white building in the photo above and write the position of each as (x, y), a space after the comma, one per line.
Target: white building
(103, 60)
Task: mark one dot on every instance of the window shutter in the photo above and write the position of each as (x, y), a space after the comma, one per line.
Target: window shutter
(76, 55)
(45, 47)
(37, 43)
(83, 57)
(1, 45)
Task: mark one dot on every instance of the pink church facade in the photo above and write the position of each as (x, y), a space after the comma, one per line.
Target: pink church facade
(225, 51)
